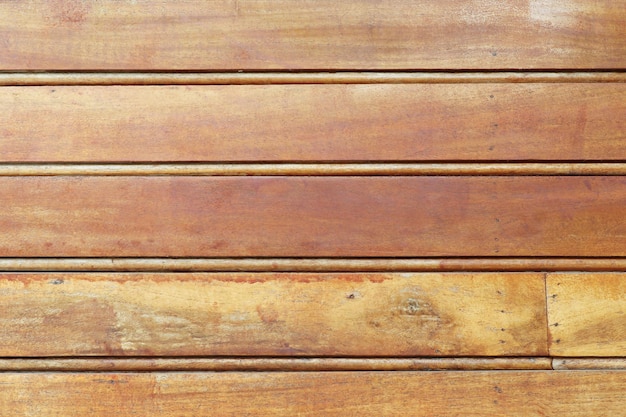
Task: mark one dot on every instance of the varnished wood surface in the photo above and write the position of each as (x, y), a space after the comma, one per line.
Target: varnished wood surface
(67, 78)
(587, 314)
(510, 393)
(277, 314)
(589, 363)
(264, 364)
(312, 216)
(425, 122)
(502, 264)
(280, 34)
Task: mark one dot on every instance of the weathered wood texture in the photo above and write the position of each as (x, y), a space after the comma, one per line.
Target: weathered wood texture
(281, 364)
(439, 122)
(272, 314)
(510, 393)
(312, 216)
(311, 264)
(281, 34)
(587, 314)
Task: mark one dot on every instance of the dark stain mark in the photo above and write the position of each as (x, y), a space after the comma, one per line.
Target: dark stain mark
(557, 341)
(502, 342)
(497, 389)
(491, 96)
(494, 53)
(57, 282)
(556, 324)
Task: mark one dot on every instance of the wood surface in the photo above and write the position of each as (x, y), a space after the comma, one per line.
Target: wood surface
(277, 314)
(38, 78)
(589, 363)
(587, 314)
(311, 264)
(312, 216)
(324, 34)
(396, 122)
(280, 364)
(180, 394)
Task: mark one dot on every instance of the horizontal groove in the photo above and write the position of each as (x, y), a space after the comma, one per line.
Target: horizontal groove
(589, 363)
(315, 169)
(311, 264)
(241, 78)
(269, 364)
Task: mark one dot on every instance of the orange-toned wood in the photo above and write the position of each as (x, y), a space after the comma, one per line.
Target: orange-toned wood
(277, 314)
(312, 216)
(587, 314)
(510, 393)
(281, 34)
(439, 122)
(277, 364)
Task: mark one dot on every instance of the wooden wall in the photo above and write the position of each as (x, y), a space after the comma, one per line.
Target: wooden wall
(271, 207)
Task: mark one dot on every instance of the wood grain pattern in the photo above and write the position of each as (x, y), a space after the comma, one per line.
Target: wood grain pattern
(311, 264)
(280, 34)
(272, 314)
(510, 393)
(589, 363)
(441, 122)
(277, 364)
(587, 314)
(312, 216)
(30, 78)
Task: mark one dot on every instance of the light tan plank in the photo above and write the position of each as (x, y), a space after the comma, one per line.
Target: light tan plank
(443, 122)
(117, 364)
(312, 216)
(281, 34)
(28, 78)
(272, 314)
(587, 314)
(310, 264)
(589, 363)
(514, 393)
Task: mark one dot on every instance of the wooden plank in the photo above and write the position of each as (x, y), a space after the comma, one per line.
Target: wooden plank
(325, 34)
(510, 393)
(242, 364)
(310, 264)
(249, 314)
(29, 78)
(312, 216)
(317, 169)
(418, 122)
(587, 314)
(589, 363)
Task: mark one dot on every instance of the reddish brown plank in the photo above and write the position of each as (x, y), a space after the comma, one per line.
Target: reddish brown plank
(277, 314)
(510, 393)
(439, 122)
(324, 34)
(312, 216)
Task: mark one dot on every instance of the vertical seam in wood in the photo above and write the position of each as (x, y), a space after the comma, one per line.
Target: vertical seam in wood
(547, 320)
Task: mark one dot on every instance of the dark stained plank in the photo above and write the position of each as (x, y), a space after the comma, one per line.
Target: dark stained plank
(323, 34)
(275, 314)
(180, 394)
(424, 122)
(587, 314)
(312, 216)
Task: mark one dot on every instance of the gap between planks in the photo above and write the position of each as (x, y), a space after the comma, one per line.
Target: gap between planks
(312, 264)
(316, 169)
(348, 77)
